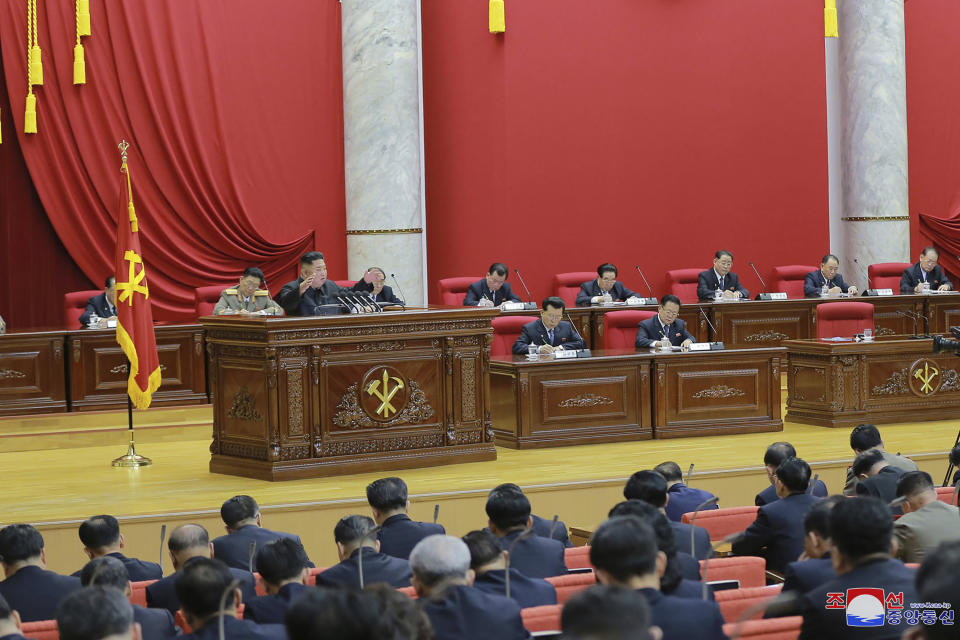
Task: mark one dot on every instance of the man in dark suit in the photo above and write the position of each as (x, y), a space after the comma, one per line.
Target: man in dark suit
(541, 526)
(876, 477)
(860, 530)
(187, 543)
(492, 290)
(398, 534)
(508, 510)
(827, 276)
(489, 564)
(665, 328)
(310, 289)
(777, 532)
(651, 487)
(241, 516)
(604, 289)
(109, 572)
(9, 622)
(925, 271)
(373, 285)
(104, 306)
(682, 499)
(603, 612)
(772, 457)
(442, 579)
(720, 279)
(282, 565)
(95, 613)
(815, 566)
(28, 587)
(551, 332)
(354, 536)
(864, 437)
(101, 536)
(938, 580)
(624, 552)
(376, 613)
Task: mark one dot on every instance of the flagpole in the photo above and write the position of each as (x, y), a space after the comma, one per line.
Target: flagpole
(131, 458)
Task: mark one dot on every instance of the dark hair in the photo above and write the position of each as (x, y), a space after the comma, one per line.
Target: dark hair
(99, 532)
(109, 282)
(865, 461)
(721, 253)
(827, 257)
(19, 542)
(929, 248)
(553, 301)
(938, 580)
(281, 559)
(507, 507)
(777, 453)
(200, 585)
(352, 529)
(310, 257)
(669, 298)
(605, 267)
(484, 547)
(864, 436)
(337, 613)
(5, 608)
(954, 457)
(256, 272)
(794, 473)
(237, 509)
(606, 613)
(666, 541)
(670, 471)
(500, 269)
(93, 613)
(861, 526)
(648, 486)
(624, 547)
(817, 519)
(105, 571)
(188, 536)
(914, 482)
(407, 619)
(387, 494)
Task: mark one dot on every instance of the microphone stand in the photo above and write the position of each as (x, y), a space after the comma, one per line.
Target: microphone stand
(553, 525)
(714, 345)
(436, 513)
(163, 535)
(523, 536)
(733, 537)
(915, 318)
(762, 283)
(649, 288)
(584, 352)
(693, 519)
(813, 484)
(689, 475)
(404, 304)
(251, 554)
(530, 297)
(363, 539)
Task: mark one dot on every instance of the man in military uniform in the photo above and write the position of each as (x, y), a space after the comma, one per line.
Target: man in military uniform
(247, 297)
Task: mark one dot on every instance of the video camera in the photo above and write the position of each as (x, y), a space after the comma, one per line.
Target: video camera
(941, 344)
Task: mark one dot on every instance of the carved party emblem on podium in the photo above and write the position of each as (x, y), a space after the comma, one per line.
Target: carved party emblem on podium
(925, 378)
(383, 393)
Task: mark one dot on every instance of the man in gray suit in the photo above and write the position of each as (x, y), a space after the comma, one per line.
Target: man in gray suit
(926, 521)
(863, 438)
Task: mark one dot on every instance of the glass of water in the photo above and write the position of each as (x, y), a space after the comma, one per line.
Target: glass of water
(531, 352)
(868, 335)
(926, 287)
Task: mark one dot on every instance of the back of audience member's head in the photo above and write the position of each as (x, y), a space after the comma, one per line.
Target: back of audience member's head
(938, 580)
(105, 571)
(201, 585)
(484, 548)
(915, 483)
(281, 560)
(187, 537)
(624, 547)
(8, 618)
(606, 613)
(387, 494)
(666, 542)
(777, 453)
(817, 519)
(864, 436)
(93, 613)
(864, 462)
(794, 474)
(440, 558)
(408, 620)
(20, 542)
(338, 613)
(507, 507)
(648, 486)
(99, 532)
(861, 526)
(352, 531)
(954, 456)
(238, 509)
(670, 471)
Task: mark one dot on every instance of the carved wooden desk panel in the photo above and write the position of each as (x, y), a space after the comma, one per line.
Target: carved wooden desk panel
(751, 324)
(943, 311)
(304, 397)
(32, 373)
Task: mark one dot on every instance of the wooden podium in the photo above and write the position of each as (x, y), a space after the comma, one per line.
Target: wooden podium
(318, 396)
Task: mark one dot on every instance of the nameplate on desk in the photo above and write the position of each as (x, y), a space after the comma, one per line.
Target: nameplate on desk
(519, 306)
(879, 292)
(775, 295)
(706, 346)
(111, 324)
(560, 354)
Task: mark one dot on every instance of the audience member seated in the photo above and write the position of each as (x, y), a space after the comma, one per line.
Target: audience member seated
(27, 586)
(96, 613)
(406, 616)
(103, 306)
(492, 290)
(247, 297)
(373, 284)
(681, 498)
(861, 532)
(209, 597)
(651, 487)
(489, 564)
(9, 622)
(241, 515)
(604, 289)
(828, 277)
(398, 534)
(345, 614)
(355, 535)
(863, 438)
(815, 566)
(101, 536)
(926, 521)
(607, 613)
(774, 455)
(541, 526)
(666, 328)
(938, 580)
(720, 279)
(551, 332)
(624, 552)
(282, 565)
(954, 459)
(876, 477)
(925, 271)
(186, 543)
(442, 578)
(777, 533)
(109, 572)
(508, 510)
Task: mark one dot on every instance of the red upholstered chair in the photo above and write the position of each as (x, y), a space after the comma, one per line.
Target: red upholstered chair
(206, 298)
(410, 591)
(506, 330)
(544, 618)
(577, 557)
(138, 592)
(346, 284)
(567, 285)
(843, 318)
(620, 328)
(454, 290)
(74, 304)
(720, 523)
(735, 602)
(945, 494)
(773, 629)
(683, 283)
(789, 279)
(751, 571)
(571, 584)
(41, 629)
(886, 275)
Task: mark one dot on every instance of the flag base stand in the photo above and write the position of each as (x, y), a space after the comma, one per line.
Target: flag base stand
(132, 458)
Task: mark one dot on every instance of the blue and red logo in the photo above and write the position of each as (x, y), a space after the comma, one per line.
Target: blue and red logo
(865, 607)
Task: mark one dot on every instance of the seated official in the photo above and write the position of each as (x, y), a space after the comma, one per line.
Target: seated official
(373, 285)
(282, 565)
(489, 564)
(541, 526)
(607, 613)
(376, 613)
(682, 498)
(398, 534)
(508, 510)
(925, 272)
(97, 613)
(926, 521)
(772, 457)
(827, 276)
(665, 328)
(651, 487)
(864, 437)
(313, 275)
(720, 279)
(244, 524)
(938, 580)
(551, 332)
(101, 536)
(27, 585)
(247, 297)
(877, 477)
(354, 536)
(106, 571)
(814, 566)
(103, 306)
(604, 289)
(491, 291)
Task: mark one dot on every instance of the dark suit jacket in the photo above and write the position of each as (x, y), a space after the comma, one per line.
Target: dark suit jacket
(137, 570)
(688, 565)
(685, 618)
(528, 592)
(36, 592)
(535, 333)
(681, 535)
(385, 295)
(272, 609)
(155, 624)
(313, 298)
(683, 499)
(707, 283)
(399, 535)
(820, 623)
(289, 297)
(912, 277)
(535, 557)
(13, 636)
(479, 290)
(650, 330)
(806, 575)
(377, 567)
(883, 485)
(769, 494)
(590, 289)
(98, 305)
(777, 533)
(541, 527)
(815, 280)
(691, 589)
(239, 630)
(234, 548)
(465, 613)
(162, 594)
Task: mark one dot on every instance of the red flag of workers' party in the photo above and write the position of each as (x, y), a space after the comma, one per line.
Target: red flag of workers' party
(134, 315)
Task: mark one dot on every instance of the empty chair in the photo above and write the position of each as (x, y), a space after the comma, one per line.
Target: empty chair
(683, 284)
(773, 629)
(571, 584)
(206, 298)
(567, 285)
(886, 275)
(945, 494)
(74, 304)
(454, 290)
(346, 284)
(138, 592)
(843, 318)
(789, 279)
(751, 571)
(545, 618)
(722, 522)
(620, 328)
(506, 330)
(735, 602)
(577, 558)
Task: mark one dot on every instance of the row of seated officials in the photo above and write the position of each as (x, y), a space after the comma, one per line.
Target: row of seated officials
(821, 545)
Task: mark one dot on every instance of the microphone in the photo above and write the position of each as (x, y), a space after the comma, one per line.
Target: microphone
(365, 305)
(912, 316)
(689, 475)
(523, 536)
(584, 350)
(553, 525)
(222, 610)
(813, 483)
(732, 538)
(363, 539)
(649, 288)
(693, 519)
(251, 554)
(762, 283)
(714, 346)
(404, 303)
(517, 271)
(436, 513)
(163, 534)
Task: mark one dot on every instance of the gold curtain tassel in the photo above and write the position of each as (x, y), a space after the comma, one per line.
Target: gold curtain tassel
(30, 115)
(497, 18)
(830, 19)
(83, 18)
(36, 66)
(79, 66)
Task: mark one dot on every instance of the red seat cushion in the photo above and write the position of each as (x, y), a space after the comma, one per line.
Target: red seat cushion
(506, 330)
(41, 629)
(620, 328)
(683, 283)
(843, 318)
(543, 618)
(789, 279)
(138, 592)
(720, 523)
(577, 557)
(886, 275)
(74, 304)
(567, 285)
(735, 602)
(454, 290)
(571, 584)
(751, 571)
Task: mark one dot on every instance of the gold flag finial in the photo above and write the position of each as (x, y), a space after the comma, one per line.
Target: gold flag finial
(123, 146)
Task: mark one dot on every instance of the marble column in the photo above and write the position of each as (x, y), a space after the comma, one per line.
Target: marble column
(875, 222)
(383, 141)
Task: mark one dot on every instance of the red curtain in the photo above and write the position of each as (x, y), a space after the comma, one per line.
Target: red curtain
(226, 105)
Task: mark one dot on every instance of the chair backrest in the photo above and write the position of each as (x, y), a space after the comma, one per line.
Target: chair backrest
(41, 629)
(789, 279)
(620, 328)
(74, 304)
(506, 330)
(773, 629)
(571, 583)
(346, 284)
(751, 571)
(886, 275)
(454, 290)
(945, 494)
(843, 318)
(683, 284)
(543, 618)
(410, 591)
(138, 592)
(577, 557)
(735, 602)
(567, 285)
(206, 298)
(722, 522)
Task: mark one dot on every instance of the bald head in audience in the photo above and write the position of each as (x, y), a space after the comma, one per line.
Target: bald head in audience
(439, 561)
(188, 541)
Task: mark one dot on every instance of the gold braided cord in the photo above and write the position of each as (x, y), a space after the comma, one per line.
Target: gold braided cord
(77, 16)
(131, 212)
(29, 40)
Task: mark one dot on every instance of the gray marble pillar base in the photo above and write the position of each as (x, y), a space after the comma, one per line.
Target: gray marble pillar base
(399, 253)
